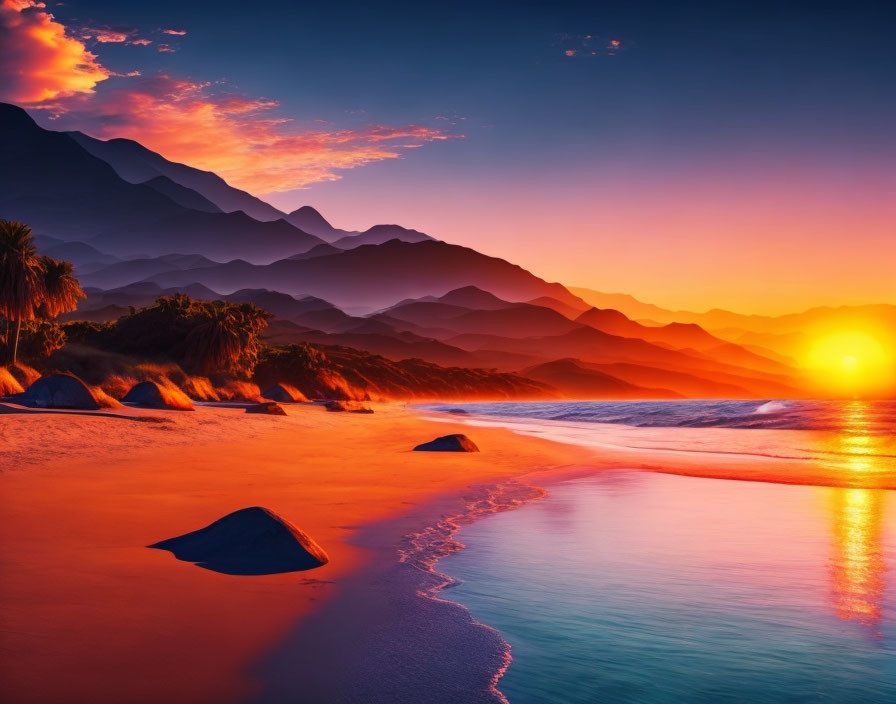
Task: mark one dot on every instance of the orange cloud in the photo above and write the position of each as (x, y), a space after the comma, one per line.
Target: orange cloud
(177, 32)
(236, 137)
(141, 42)
(165, 49)
(196, 123)
(106, 36)
(38, 62)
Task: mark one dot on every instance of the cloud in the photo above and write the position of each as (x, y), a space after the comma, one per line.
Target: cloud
(238, 138)
(177, 32)
(106, 35)
(38, 62)
(165, 49)
(141, 42)
(199, 123)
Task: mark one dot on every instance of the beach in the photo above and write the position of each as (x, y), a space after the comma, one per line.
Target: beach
(91, 614)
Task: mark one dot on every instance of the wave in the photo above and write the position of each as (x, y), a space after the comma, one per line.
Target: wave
(856, 417)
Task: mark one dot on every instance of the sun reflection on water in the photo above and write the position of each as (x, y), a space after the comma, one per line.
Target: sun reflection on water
(857, 564)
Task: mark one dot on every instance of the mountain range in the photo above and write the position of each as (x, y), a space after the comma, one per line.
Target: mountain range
(138, 226)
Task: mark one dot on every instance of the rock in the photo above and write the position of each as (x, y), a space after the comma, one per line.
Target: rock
(271, 408)
(285, 394)
(346, 406)
(61, 391)
(448, 443)
(149, 394)
(251, 541)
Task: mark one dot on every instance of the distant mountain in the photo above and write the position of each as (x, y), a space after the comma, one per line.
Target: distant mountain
(82, 255)
(731, 325)
(137, 164)
(570, 311)
(379, 234)
(575, 380)
(594, 346)
(317, 251)
(181, 195)
(374, 277)
(515, 320)
(310, 220)
(63, 191)
(126, 272)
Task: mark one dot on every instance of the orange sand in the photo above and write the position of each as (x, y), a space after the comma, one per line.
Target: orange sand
(90, 614)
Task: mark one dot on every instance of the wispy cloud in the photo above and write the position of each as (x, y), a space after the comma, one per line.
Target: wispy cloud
(165, 49)
(243, 139)
(586, 45)
(177, 32)
(239, 138)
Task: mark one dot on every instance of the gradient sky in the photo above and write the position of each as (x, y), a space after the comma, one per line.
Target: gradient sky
(736, 155)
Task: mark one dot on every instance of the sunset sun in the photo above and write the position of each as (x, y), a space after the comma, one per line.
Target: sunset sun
(849, 362)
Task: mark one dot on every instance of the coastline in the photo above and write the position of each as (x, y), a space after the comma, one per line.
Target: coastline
(83, 495)
(374, 625)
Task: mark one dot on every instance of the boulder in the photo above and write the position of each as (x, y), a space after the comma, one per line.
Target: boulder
(448, 443)
(149, 394)
(270, 408)
(61, 391)
(251, 541)
(284, 393)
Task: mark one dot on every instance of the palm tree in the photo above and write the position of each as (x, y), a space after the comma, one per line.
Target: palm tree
(61, 289)
(21, 277)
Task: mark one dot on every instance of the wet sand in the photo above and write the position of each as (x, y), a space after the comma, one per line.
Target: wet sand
(91, 614)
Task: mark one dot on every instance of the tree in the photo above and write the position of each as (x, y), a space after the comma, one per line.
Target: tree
(61, 289)
(21, 278)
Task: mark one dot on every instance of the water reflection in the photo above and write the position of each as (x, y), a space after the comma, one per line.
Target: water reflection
(857, 564)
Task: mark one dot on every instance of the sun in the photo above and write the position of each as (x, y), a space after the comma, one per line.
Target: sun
(849, 362)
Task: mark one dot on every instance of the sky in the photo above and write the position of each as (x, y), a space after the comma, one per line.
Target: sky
(738, 155)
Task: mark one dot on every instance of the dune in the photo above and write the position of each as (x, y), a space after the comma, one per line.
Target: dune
(448, 443)
(151, 394)
(251, 541)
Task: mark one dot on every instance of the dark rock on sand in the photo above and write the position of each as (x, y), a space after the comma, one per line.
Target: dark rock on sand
(448, 443)
(285, 393)
(344, 406)
(152, 395)
(271, 408)
(251, 541)
(60, 391)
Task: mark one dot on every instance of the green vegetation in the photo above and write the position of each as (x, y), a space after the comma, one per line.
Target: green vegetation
(34, 290)
(203, 337)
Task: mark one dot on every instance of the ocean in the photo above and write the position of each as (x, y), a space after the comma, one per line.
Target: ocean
(644, 587)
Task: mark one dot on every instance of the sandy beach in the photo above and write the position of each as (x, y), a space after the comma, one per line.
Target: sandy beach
(91, 614)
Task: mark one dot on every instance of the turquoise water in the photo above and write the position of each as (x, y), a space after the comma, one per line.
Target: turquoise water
(640, 587)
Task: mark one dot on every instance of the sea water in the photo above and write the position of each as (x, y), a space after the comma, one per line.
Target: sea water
(633, 586)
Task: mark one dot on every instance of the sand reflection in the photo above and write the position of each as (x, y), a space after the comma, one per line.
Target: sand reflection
(857, 564)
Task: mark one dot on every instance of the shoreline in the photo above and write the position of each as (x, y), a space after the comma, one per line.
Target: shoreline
(83, 496)
(374, 625)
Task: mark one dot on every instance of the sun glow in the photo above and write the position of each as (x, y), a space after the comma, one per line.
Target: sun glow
(851, 363)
